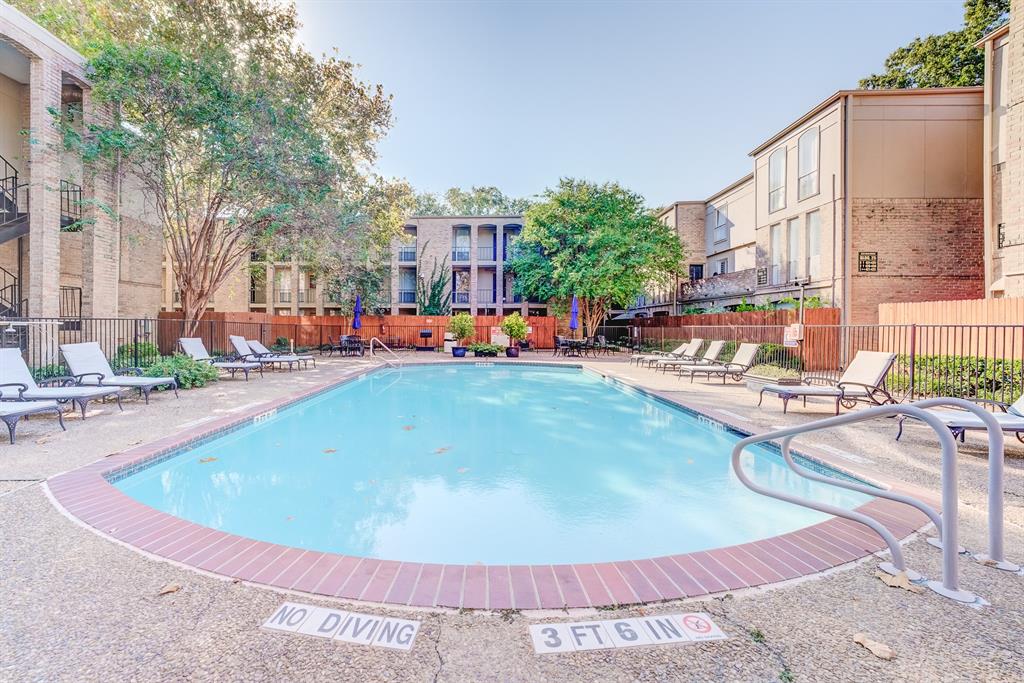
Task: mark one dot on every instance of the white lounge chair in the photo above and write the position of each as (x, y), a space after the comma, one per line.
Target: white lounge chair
(863, 380)
(741, 362)
(686, 351)
(13, 410)
(711, 355)
(194, 347)
(1010, 418)
(264, 352)
(15, 375)
(90, 367)
(246, 353)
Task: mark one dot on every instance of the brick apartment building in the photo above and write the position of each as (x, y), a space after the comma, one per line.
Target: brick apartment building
(107, 267)
(870, 197)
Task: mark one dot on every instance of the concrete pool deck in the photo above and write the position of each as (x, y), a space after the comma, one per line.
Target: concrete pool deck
(83, 607)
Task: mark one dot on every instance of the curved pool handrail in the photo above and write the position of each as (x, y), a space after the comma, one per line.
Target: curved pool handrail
(996, 455)
(949, 586)
(397, 362)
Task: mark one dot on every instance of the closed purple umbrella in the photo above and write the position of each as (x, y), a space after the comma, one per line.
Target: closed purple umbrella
(356, 312)
(574, 319)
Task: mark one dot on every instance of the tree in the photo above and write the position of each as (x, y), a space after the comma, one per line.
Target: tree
(241, 136)
(477, 201)
(597, 242)
(946, 60)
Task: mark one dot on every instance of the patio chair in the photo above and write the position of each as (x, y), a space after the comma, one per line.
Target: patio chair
(89, 366)
(1010, 418)
(741, 362)
(352, 345)
(12, 410)
(248, 355)
(14, 373)
(711, 355)
(863, 380)
(195, 349)
(687, 351)
(258, 347)
(562, 346)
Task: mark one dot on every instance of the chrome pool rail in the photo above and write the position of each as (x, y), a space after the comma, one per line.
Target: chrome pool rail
(946, 523)
(996, 461)
(395, 360)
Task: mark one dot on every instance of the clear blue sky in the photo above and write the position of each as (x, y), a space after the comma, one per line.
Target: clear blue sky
(667, 98)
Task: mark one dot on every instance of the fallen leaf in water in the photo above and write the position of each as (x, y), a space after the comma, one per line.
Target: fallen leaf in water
(462, 470)
(409, 428)
(373, 482)
(689, 461)
(206, 460)
(330, 450)
(169, 588)
(289, 518)
(443, 449)
(899, 581)
(880, 650)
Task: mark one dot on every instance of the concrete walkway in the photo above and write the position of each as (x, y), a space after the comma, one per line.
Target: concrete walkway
(77, 606)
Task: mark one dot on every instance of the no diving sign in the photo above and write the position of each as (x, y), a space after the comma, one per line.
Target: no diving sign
(349, 627)
(666, 629)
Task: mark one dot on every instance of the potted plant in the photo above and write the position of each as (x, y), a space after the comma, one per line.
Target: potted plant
(515, 327)
(486, 350)
(462, 326)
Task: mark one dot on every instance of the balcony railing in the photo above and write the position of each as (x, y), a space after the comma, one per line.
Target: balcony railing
(283, 296)
(258, 296)
(512, 299)
(407, 253)
(485, 253)
(70, 206)
(460, 297)
(460, 254)
(307, 295)
(485, 296)
(407, 296)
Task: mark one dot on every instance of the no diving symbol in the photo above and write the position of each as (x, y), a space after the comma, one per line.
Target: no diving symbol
(696, 624)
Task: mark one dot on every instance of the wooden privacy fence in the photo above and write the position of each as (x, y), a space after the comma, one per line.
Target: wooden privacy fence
(397, 331)
(988, 327)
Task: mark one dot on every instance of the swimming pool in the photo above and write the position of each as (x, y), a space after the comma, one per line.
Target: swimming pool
(501, 464)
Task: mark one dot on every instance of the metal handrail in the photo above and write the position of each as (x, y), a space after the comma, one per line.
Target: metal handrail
(948, 527)
(397, 362)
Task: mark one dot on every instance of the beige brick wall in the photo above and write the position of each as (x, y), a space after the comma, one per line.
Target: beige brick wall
(1013, 170)
(928, 250)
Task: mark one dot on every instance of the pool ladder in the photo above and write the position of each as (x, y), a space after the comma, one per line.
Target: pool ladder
(946, 523)
(394, 361)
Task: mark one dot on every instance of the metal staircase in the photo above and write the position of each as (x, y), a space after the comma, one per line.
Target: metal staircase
(13, 204)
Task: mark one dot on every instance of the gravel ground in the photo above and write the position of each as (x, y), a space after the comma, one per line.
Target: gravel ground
(79, 607)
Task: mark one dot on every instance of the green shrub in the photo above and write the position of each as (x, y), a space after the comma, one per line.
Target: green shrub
(959, 376)
(780, 356)
(514, 326)
(484, 347)
(48, 371)
(462, 326)
(135, 354)
(189, 373)
(772, 372)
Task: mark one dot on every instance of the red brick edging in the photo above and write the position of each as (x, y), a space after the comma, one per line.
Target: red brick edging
(87, 494)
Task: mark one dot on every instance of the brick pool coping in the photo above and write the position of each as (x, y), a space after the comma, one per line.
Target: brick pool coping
(88, 495)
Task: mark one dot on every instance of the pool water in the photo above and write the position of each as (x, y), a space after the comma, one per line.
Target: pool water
(506, 464)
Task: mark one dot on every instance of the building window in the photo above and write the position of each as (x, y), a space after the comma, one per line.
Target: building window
(722, 266)
(793, 248)
(777, 180)
(813, 245)
(696, 272)
(721, 224)
(867, 262)
(775, 253)
(807, 164)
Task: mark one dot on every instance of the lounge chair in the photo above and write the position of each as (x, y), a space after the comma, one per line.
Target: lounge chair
(1010, 418)
(194, 347)
(863, 380)
(711, 355)
(89, 366)
(687, 351)
(264, 352)
(736, 368)
(12, 410)
(15, 373)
